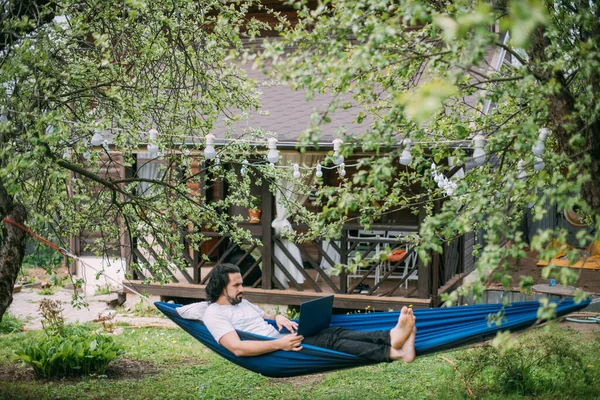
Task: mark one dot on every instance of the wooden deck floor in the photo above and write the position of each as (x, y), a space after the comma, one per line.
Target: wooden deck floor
(291, 296)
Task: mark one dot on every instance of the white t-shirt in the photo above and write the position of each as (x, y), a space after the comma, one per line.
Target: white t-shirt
(244, 316)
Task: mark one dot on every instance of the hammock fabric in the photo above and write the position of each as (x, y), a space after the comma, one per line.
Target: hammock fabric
(437, 329)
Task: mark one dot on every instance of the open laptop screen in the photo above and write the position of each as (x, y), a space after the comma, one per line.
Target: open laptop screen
(315, 315)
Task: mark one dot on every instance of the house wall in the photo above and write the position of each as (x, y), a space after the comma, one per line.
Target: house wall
(100, 272)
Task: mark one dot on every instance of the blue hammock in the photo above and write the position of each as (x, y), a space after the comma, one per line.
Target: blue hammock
(437, 329)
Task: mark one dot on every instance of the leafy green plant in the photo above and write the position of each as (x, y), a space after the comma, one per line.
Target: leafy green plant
(43, 256)
(10, 324)
(548, 362)
(62, 350)
(57, 280)
(72, 354)
(100, 290)
(48, 291)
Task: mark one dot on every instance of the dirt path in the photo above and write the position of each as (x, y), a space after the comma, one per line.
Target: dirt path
(26, 302)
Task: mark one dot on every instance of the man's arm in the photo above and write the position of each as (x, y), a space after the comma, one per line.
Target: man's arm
(282, 322)
(244, 348)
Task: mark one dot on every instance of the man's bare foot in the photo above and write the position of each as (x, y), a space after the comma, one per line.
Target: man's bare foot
(400, 333)
(408, 349)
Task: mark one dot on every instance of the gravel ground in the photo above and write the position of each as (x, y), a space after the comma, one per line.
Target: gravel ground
(26, 302)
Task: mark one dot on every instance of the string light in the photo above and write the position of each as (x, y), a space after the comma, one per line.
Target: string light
(479, 153)
(97, 139)
(319, 173)
(296, 173)
(209, 150)
(406, 157)
(521, 169)
(540, 146)
(273, 154)
(152, 146)
(442, 181)
(338, 159)
(539, 164)
(342, 170)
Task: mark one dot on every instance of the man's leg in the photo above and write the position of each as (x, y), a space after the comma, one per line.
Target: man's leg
(374, 345)
(407, 352)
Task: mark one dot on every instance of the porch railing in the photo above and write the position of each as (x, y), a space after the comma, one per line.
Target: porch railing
(255, 262)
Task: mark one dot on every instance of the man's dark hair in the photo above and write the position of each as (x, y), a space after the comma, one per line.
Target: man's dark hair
(219, 279)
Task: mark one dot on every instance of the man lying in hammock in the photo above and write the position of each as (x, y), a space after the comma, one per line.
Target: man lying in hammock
(229, 312)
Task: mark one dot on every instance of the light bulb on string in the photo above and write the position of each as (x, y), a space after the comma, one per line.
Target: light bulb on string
(479, 153)
(538, 148)
(209, 150)
(342, 170)
(319, 173)
(152, 136)
(406, 157)
(244, 167)
(539, 164)
(296, 173)
(521, 169)
(338, 159)
(273, 154)
(97, 138)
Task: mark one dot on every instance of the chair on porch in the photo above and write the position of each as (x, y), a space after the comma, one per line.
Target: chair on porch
(398, 251)
(367, 251)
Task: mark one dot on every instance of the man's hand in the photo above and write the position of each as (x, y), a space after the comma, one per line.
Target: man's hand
(291, 342)
(283, 322)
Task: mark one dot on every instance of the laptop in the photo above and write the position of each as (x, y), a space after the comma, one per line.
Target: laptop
(315, 315)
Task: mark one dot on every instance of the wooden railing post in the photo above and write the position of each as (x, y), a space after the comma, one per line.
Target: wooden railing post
(344, 261)
(424, 272)
(267, 237)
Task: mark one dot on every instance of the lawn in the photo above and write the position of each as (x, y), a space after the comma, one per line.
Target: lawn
(548, 362)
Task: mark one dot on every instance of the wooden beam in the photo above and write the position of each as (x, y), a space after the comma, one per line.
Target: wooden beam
(283, 297)
(452, 284)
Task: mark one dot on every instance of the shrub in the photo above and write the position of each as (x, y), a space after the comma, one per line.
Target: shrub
(540, 363)
(54, 356)
(62, 350)
(10, 324)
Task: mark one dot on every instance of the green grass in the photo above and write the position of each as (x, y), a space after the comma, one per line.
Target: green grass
(10, 324)
(187, 370)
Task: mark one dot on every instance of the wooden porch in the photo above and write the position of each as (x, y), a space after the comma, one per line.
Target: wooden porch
(380, 285)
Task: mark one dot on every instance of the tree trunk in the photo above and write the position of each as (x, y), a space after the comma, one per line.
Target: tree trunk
(12, 247)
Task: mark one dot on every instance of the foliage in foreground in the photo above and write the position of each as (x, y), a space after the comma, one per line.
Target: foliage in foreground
(178, 367)
(541, 364)
(10, 324)
(65, 350)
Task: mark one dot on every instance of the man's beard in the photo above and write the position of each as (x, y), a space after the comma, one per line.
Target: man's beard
(234, 300)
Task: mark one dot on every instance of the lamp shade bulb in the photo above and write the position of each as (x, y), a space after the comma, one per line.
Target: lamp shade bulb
(406, 157)
(538, 148)
(273, 156)
(296, 173)
(98, 138)
(479, 156)
(209, 152)
(539, 164)
(319, 172)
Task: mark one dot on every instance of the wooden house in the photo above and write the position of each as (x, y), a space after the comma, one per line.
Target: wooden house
(272, 274)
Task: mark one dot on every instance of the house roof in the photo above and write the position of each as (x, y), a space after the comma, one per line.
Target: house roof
(287, 113)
